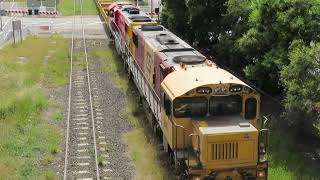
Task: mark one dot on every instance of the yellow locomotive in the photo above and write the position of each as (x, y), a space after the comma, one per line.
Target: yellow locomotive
(208, 119)
(211, 123)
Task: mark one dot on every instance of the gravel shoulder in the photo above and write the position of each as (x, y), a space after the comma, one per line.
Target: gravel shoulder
(113, 103)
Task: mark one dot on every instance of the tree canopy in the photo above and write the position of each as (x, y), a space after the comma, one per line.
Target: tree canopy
(274, 44)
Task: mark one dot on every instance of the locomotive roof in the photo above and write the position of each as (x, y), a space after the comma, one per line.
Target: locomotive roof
(118, 4)
(134, 14)
(193, 77)
(163, 40)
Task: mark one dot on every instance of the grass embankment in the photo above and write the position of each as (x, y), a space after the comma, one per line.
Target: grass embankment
(65, 7)
(286, 162)
(142, 147)
(28, 139)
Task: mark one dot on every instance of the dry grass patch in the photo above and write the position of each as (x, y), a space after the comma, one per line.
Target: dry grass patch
(29, 141)
(145, 156)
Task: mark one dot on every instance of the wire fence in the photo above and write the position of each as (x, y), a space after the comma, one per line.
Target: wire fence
(29, 5)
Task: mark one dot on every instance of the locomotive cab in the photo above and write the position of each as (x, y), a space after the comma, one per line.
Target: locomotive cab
(210, 122)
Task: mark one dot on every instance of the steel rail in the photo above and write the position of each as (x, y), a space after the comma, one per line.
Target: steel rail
(69, 99)
(90, 96)
(70, 95)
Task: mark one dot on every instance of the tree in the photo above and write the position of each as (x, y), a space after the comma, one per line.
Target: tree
(274, 25)
(302, 81)
(273, 43)
(213, 26)
(175, 17)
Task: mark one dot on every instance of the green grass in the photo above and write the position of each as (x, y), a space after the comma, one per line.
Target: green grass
(79, 59)
(145, 156)
(57, 116)
(27, 140)
(113, 65)
(57, 67)
(286, 161)
(100, 160)
(65, 7)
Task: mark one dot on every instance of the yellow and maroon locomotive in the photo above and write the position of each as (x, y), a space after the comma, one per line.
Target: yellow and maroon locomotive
(208, 118)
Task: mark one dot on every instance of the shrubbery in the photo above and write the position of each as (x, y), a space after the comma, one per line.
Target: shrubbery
(274, 44)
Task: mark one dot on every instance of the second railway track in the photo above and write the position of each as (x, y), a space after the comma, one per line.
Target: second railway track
(85, 148)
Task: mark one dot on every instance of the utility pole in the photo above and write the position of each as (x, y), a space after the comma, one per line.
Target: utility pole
(151, 8)
(1, 25)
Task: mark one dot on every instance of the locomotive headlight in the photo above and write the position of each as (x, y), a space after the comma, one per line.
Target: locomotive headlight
(220, 90)
(235, 88)
(261, 174)
(196, 178)
(216, 90)
(224, 89)
(204, 90)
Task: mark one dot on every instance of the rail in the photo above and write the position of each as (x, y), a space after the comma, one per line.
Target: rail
(70, 105)
(69, 98)
(90, 97)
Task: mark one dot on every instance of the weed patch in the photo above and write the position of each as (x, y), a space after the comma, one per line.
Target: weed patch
(65, 7)
(57, 116)
(26, 138)
(145, 156)
(286, 162)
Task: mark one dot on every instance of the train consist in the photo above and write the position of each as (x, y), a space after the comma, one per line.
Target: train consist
(208, 119)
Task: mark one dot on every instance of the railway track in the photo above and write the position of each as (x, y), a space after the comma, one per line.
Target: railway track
(85, 147)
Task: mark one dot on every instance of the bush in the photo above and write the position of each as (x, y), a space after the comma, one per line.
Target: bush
(302, 81)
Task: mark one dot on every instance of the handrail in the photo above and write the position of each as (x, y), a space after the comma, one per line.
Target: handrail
(176, 139)
(262, 133)
(198, 137)
(265, 137)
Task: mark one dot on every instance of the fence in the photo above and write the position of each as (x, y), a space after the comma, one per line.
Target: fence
(29, 8)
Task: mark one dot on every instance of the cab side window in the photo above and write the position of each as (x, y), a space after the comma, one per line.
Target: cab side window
(126, 27)
(135, 40)
(167, 104)
(111, 13)
(251, 108)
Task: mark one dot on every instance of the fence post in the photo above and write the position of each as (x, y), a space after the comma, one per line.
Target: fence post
(1, 25)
